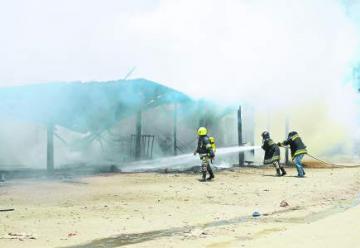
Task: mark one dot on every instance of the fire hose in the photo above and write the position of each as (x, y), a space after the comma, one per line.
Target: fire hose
(330, 164)
(333, 164)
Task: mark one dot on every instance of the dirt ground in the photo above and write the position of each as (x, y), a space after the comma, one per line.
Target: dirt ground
(176, 210)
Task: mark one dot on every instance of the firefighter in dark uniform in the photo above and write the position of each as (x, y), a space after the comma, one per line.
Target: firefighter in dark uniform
(206, 153)
(272, 153)
(298, 150)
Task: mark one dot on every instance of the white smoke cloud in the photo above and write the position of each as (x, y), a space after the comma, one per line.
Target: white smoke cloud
(278, 55)
(236, 50)
(262, 49)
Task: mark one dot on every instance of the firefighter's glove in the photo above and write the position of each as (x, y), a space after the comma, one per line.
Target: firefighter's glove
(279, 144)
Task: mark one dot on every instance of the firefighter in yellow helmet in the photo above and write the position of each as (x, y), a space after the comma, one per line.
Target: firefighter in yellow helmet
(206, 153)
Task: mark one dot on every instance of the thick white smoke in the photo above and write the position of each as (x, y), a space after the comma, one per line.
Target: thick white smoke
(287, 58)
(269, 52)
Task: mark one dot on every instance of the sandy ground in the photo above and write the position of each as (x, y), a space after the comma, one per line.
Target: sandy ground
(176, 210)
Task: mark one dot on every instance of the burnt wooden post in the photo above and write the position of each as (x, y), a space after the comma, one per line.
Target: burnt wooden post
(50, 148)
(252, 131)
(240, 137)
(2, 177)
(174, 128)
(138, 135)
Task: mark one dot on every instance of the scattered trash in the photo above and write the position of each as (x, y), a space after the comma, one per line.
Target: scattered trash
(71, 234)
(256, 214)
(7, 209)
(21, 236)
(284, 204)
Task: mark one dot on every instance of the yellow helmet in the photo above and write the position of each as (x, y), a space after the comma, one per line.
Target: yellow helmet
(202, 131)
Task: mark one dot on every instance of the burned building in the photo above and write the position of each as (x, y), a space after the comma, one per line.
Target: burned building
(102, 123)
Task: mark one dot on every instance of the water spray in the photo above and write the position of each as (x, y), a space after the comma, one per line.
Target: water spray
(180, 162)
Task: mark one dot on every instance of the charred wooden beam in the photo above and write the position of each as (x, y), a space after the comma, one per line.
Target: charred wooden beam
(240, 136)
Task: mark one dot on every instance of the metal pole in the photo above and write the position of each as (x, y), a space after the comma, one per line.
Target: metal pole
(240, 137)
(50, 148)
(174, 128)
(138, 135)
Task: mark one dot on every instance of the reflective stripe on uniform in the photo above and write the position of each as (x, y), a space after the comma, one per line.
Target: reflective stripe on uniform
(204, 162)
(299, 152)
(275, 158)
(271, 160)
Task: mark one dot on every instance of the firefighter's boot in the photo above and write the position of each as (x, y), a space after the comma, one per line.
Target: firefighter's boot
(278, 172)
(211, 173)
(283, 171)
(203, 176)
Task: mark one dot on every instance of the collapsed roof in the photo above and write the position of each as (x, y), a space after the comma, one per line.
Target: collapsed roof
(84, 107)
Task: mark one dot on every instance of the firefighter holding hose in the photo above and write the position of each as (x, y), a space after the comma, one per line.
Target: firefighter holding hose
(272, 153)
(206, 153)
(298, 150)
